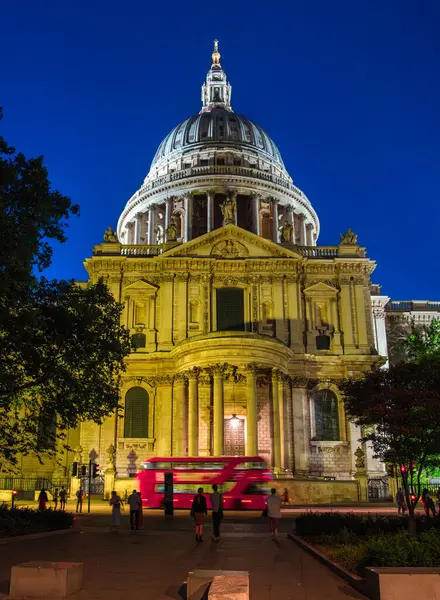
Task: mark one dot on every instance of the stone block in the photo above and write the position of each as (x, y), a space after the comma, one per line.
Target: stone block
(199, 581)
(227, 587)
(403, 583)
(44, 579)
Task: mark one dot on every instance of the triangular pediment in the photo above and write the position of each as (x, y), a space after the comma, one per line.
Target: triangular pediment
(231, 242)
(321, 288)
(140, 285)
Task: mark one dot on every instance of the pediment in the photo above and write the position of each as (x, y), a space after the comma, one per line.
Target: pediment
(140, 285)
(322, 289)
(231, 242)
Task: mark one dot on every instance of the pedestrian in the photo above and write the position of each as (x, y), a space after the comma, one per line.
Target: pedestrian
(55, 499)
(273, 504)
(116, 504)
(438, 499)
(42, 500)
(285, 496)
(217, 512)
(63, 498)
(198, 512)
(135, 504)
(400, 499)
(428, 503)
(141, 514)
(79, 500)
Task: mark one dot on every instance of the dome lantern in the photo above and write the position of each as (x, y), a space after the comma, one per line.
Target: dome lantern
(216, 92)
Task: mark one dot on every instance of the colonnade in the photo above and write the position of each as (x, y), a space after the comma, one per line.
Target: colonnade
(143, 228)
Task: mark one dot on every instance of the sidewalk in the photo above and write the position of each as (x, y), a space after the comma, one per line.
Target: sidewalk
(153, 564)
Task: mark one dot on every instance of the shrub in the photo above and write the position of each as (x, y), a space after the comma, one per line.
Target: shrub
(403, 550)
(23, 521)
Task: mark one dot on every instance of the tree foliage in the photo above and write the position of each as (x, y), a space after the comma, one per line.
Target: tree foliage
(424, 342)
(62, 346)
(398, 409)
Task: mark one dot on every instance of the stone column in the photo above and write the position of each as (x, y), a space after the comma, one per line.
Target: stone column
(163, 415)
(137, 228)
(168, 210)
(301, 430)
(179, 415)
(256, 211)
(309, 236)
(275, 220)
(337, 346)
(193, 415)
(188, 203)
(283, 428)
(302, 230)
(210, 194)
(347, 310)
(151, 213)
(289, 214)
(165, 337)
(251, 410)
(276, 422)
(219, 417)
(205, 414)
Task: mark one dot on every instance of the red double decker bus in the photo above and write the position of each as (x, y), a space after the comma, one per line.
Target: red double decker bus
(243, 480)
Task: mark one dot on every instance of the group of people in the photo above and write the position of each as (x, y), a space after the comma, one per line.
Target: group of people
(60, 495)
(199, 510)
(134, 501)
(427, 501)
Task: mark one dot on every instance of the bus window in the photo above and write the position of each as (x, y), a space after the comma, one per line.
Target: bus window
(257, 488)
(251, 465)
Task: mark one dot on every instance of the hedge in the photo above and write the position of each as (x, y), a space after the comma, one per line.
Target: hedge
(23, 521)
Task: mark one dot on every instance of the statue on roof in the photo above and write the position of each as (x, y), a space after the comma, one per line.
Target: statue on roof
(229, 208)
(110, 236)
(349, 239)
(286, 233)
(171, 231)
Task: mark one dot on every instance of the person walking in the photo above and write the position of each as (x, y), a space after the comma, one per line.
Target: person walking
(428, 503)
(79, 500)
(63, 498)
(217, 512)
(400, 499)
(55, 499)
(286, 496)
(273, 504)
(134, 503)
(198, 512)
(116, 504)
(141, 514)
(42, 500)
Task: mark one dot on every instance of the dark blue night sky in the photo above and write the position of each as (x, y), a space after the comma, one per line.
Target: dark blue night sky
(349, 91)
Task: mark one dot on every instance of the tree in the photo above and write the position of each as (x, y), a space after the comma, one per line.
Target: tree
(62, 346)
(402, 403)
(424, 342)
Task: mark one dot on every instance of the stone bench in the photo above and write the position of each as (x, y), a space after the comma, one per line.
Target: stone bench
(198, 582)
(44, 579)
(227, 587)
(405, 583)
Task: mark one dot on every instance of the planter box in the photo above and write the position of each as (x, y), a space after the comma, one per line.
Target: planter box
(403, 583)
(44, 579)
(199, 581)
(227, 587)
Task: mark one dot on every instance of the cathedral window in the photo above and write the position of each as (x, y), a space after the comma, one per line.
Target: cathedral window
(230, 309)
(136, 413)
(326, 416)
(47, 429)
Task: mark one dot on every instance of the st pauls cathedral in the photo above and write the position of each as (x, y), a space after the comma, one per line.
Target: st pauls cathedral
(241, 323)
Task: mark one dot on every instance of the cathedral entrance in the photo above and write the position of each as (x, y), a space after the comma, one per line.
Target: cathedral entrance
(234, 443)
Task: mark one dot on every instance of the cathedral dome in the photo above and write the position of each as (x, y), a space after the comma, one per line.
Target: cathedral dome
(218, 127)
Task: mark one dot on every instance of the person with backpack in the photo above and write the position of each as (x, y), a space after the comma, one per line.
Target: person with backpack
(217, 512)
(63, 498)
(198, 511)
(273, 504)
(79, 500)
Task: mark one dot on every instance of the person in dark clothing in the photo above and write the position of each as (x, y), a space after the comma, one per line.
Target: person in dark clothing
(198, 511)
(217, 512)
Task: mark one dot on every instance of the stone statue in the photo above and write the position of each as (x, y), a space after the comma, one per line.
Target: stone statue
(110, 236)
(110, 456)
(229, 208)
(360, 459)
(286, 233)
(171, 231)
(349, 239)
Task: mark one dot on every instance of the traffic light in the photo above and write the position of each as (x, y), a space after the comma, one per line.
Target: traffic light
(403, 469)
(83, 470)
(95, 470)
(390, 470)
(74, 469)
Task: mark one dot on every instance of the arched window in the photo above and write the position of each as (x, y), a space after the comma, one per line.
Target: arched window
(194, 312)
(266, 226)
(136, 413)
(326, 416)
